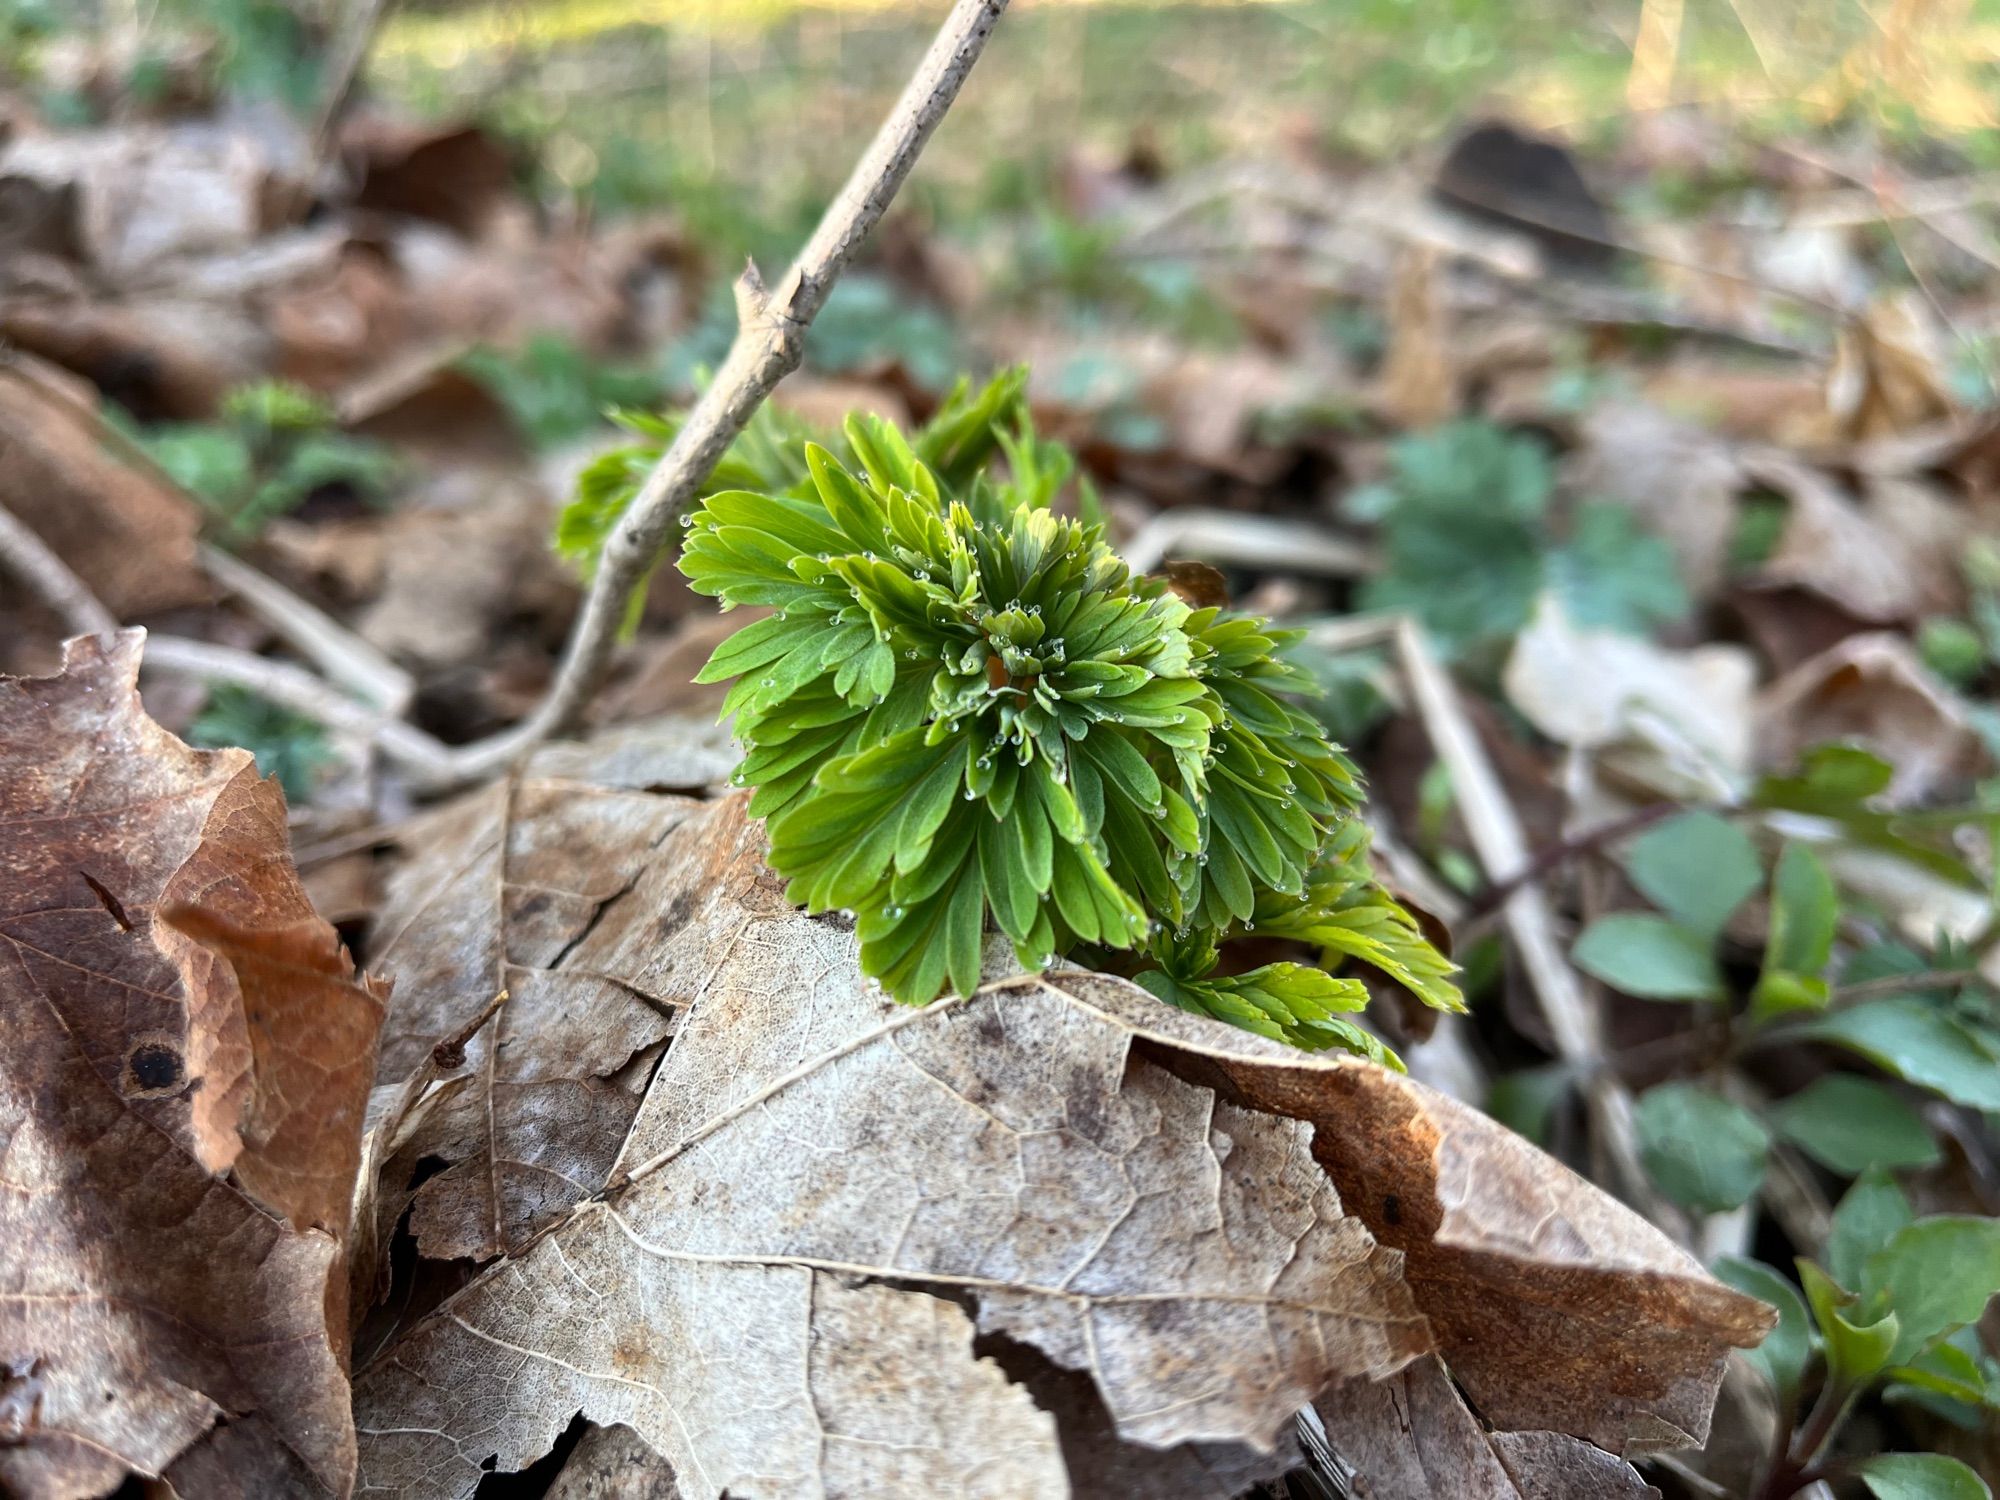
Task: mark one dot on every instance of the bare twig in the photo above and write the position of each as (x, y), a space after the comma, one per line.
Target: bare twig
(350, 47)
(304, 693)
(769, 344)
(1246, 540)
(347, 660)
(50, 580)
(1554, 856)
(1497, 838)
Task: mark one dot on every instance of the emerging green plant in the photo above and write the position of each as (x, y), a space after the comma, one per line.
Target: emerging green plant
(1472, 500)
(1772, 956)
(274, 446)
(966, 710)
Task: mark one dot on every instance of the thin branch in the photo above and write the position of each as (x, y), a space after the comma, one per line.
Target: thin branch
(347, 660)
(1245, 540)
(1553, 857)
(350, 47)
(50, 580)
(1497, 837)
(303, 693)
(769, 344)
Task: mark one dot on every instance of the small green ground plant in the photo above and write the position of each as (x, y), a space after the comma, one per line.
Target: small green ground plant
(964, 713)
(1473, 500)
(272, 447)
(1747, 927)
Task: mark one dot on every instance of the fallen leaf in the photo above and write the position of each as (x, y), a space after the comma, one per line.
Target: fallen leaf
(458, 175)
(1418, 386)
(124, 530)
(1889, 551)
(1015, 1153)
(808, 1143)
(170, 1011)
(146, 195)
(1412, 1434)
(1888, 373)
(1677, 722)
(1873, 690)
(1678, 480)
(614, 1463)
(556, 886)
(1556, 1306)
(471, 555)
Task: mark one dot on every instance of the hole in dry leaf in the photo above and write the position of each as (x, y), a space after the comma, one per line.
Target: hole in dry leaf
(109, 901)
(536, 1479)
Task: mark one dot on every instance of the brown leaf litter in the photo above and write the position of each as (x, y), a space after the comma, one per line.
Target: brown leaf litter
(189, 1053)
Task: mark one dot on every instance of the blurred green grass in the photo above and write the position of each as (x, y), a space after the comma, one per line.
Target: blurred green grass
(743, 113)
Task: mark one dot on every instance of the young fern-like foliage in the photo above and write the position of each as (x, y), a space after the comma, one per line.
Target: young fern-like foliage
(966, 712)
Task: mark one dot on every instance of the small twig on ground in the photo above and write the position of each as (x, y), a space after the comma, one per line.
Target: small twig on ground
(1246, 540)
(303, 693)
(769, 345)
(50, 580)
(345, 658)
(1497, 838)
(359, 22)
(1554, 856)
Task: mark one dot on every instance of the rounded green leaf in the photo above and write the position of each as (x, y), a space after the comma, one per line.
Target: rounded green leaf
(1920, 1042)
(1697, 867)
(1706, 1152)
(1936, 1275)
(1920, 1476)
(1781, 1358)
(1650, 957)
(1850, 1124)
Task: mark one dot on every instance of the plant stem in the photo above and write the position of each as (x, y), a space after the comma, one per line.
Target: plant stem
(1797, 1465)
(1552, 857)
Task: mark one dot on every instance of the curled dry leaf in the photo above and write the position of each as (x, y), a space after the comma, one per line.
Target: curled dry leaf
(1413, 1435)
(1675, 722)
(171, 1011)
(1873, 689)
(1887, 551)
(809, 1155)
(121, 527)
(1889, 374)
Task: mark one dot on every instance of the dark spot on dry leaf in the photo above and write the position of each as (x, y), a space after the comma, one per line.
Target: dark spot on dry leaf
(676, 913)
(152, 1068)
(21, 1400)
(1392, 1209)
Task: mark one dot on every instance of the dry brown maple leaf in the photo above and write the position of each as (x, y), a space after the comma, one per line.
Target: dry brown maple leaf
(1412, 1435)
(157, 1316)
(1024, 1162)
(555, 886)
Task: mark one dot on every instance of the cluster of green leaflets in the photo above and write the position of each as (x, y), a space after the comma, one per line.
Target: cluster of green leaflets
(966, 713)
